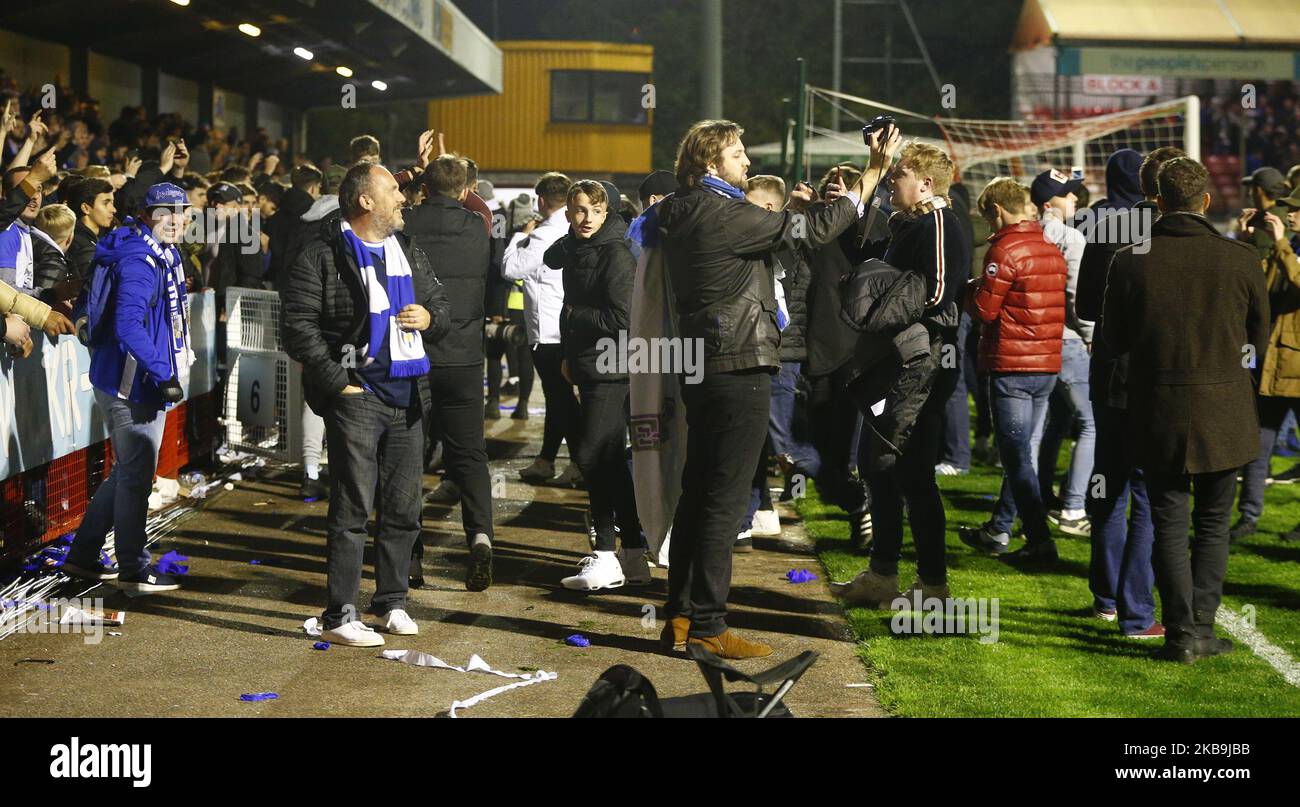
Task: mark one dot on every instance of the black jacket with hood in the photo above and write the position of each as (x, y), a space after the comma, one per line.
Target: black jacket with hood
(598, 276)
(1119, 218)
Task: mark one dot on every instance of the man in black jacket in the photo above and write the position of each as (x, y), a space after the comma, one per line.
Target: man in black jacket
(598, 276)
(92, 201)
(718, 248)
(1120, 574)
(1192, 313)
(455, 237)
(346, 320)
(287, 223)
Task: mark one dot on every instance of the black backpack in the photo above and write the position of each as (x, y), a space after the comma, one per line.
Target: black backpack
(620, 692)
(623, 692)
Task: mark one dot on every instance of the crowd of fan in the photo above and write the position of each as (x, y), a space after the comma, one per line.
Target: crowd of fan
(1265, 127)
(826, 330)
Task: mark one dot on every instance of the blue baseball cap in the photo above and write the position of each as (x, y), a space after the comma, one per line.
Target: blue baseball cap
(165, 194)
(1052, 183)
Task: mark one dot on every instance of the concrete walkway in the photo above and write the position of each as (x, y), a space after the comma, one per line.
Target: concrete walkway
(235, 627)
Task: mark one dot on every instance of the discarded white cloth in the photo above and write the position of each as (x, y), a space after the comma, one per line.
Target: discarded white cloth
(476, 664)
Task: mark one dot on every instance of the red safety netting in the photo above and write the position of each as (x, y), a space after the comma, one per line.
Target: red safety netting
(42, 503)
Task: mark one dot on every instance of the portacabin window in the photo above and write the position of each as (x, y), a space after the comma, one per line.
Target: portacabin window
(598, 96)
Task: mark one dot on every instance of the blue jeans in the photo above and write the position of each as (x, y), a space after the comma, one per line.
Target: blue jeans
(1072, 391)
(781, 422)
(122, 502)
(1120, 573)
(1272, 413)
(956, 414)
(1019, 404)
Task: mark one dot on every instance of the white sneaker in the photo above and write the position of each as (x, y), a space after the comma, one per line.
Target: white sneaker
(353, 634)
(948, 469)
(572, 477)
(540, 471)
(398, 623)
(766, 523)
(601, 570)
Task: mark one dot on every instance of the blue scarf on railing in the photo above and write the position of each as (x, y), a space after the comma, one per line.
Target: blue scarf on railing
(405, 348)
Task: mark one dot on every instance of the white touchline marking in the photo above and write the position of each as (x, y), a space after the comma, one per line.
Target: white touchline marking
(1246, 633)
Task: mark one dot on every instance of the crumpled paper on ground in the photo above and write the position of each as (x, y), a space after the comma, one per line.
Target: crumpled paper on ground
(476, 664)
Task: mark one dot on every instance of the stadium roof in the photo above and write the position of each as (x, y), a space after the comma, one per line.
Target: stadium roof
(418, 48)
(1213, 22)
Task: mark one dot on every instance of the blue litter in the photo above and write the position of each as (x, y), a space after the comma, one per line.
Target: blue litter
(800, 576)
(322, 645)
(577, 640)
(173, 563)
(258, 696)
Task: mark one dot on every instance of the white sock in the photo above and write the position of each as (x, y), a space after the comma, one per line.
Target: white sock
(481, 539)
(313, 471)
(1073, 515)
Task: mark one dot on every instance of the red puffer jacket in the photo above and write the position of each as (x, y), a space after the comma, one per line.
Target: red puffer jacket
(1020, 298)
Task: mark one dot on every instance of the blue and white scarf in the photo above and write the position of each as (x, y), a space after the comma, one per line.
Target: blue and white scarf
(169, 257)
(722, 187)
(405, 348)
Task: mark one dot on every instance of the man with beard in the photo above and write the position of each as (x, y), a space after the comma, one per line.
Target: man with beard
(718, 248)
(360, 282)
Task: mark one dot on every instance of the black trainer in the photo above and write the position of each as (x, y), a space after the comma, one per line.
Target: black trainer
(1179, 652)
(1213, 646)
(98, 571)
(984, 540)
(313, 490)
(1241, 529)
(149, 581)
(479, 574)
(492, 410)
(1041, 553)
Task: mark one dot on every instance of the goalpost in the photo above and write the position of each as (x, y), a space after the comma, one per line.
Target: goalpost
(984, 149)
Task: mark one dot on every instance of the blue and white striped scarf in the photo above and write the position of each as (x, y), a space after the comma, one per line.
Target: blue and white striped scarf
(405, 348)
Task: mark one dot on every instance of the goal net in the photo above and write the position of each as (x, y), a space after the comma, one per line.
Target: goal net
(984, 149)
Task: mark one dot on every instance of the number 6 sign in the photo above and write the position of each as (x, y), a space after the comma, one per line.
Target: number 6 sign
(256, 390)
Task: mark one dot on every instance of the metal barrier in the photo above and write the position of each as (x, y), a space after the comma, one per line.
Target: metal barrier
(54, 450)
(262, 394)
